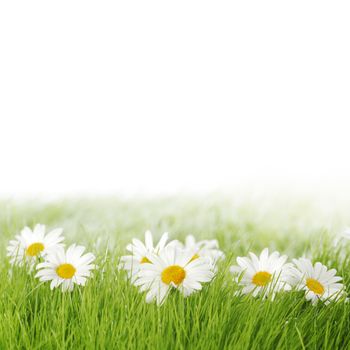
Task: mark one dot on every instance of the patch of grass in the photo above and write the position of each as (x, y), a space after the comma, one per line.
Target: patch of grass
(109, 313)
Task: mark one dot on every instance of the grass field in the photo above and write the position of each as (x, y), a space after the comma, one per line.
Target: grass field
(109, 313)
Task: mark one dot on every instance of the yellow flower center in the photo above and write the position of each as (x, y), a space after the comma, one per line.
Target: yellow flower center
(315, 286)
(35, 249)
(66, 271)
(261, 278)
(173, 273)
(194, 257)
(145, 260)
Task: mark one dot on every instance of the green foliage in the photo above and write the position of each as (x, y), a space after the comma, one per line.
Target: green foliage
(109, 313)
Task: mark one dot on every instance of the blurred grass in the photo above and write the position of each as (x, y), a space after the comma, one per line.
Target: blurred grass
(109, 313)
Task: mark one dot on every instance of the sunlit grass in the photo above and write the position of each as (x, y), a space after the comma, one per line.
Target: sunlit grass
(110, 313)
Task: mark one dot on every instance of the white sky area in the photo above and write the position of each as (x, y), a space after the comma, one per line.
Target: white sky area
(158, 97)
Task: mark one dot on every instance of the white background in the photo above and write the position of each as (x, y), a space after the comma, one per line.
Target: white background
(159, 97)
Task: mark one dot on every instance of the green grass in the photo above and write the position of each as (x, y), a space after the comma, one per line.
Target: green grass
(109, 313)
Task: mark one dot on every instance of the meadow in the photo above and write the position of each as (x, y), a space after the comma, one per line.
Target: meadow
(110, 313)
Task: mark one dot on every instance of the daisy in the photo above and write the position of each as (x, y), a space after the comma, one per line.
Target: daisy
(318, 282)
(30, 245)
(263, 275)
(172, 268)
(66, 268)
(205, 248)
(342, 237)
(139, 251)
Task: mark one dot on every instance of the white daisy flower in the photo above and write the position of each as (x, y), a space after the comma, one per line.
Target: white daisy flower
(263, 275)
(172, 268)
(205, 249)
(342, 237)
(139, 251)
(30, 245)
(66, 268)
(318, 282)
